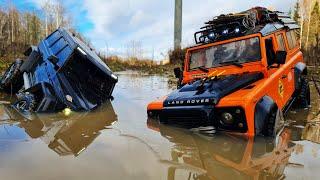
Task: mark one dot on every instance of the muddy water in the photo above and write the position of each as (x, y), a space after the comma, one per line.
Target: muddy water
(118, 142)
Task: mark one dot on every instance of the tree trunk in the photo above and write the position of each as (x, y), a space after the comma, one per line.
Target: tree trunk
(301, 32)
(308, 31)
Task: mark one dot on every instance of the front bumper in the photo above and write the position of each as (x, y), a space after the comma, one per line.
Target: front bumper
(187, 116)
(204, 115)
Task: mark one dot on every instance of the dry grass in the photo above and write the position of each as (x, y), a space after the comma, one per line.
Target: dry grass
(116, 64)
(122, 64)
(6, 60)
(177, 56)
(144, 65)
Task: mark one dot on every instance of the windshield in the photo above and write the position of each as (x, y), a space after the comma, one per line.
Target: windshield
(242, 51)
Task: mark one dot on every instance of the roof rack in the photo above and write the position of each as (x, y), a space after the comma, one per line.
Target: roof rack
(238, 24)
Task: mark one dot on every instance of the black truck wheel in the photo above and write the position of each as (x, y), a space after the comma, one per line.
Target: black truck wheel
(25, 103)
(303, 94)
(12, 80)
(273, 124)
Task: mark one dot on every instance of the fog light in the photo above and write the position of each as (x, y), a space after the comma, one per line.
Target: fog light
(67, 111)
(227, 118)
(237, 30)
(212, 36)
(225, 32)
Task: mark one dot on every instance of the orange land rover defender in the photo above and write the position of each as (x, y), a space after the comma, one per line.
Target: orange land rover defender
(245, 72)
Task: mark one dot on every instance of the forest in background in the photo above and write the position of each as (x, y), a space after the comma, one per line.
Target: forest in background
(20, 29)
(307, 14)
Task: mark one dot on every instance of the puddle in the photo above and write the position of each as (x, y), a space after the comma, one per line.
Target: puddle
(117, 141)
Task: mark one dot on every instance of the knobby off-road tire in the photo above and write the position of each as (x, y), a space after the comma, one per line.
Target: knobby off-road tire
(26, 103)
(12, 80)
(274, 123)
(303, 94)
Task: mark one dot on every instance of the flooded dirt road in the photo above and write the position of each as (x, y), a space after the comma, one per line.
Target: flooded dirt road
(118, 142)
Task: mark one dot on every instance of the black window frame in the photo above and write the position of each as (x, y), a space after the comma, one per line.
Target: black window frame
(270, 62)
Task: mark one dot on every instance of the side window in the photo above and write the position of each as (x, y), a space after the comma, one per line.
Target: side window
(271, 55)
(280, 40)
(292, 41)
(295, 37)
(289, 38)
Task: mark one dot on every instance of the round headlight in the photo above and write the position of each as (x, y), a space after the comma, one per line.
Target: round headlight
(227, 118)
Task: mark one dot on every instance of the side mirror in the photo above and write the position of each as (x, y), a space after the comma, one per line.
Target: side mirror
(53, 59)
(177, 72)
(281, 57)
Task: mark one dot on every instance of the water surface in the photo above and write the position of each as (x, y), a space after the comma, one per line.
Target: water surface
(117, 141)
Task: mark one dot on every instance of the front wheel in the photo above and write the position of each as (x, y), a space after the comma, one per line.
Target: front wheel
(274, 123)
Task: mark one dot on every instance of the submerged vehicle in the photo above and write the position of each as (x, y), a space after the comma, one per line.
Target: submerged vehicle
(245, 72)
(61, 72)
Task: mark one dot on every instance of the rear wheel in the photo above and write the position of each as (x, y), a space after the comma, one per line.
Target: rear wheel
(12, 81)
(303, 93)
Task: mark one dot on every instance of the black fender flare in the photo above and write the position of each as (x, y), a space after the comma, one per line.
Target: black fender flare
(299, 69)
(263, 109)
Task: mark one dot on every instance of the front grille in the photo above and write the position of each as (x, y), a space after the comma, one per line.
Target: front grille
(185, 117)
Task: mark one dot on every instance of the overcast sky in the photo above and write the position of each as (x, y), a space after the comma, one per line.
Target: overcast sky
(112, 24)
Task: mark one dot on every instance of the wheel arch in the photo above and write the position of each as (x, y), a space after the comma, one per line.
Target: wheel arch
(299, 70)
(263, 109)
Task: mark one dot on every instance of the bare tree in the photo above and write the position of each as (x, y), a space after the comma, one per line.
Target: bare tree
(18, 29)
(309, 20)
(47, 8)
(134, 49)
(59, 12)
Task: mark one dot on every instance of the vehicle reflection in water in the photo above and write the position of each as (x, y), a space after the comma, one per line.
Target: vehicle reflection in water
(227, 156)
(66, 135)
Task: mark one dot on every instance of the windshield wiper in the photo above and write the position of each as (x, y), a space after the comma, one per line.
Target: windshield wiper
(202, 68)
(234, 62)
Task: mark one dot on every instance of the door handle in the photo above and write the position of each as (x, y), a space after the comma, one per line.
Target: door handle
(284, 76)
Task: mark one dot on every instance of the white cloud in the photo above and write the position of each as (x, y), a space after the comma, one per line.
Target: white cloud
(117, 22)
